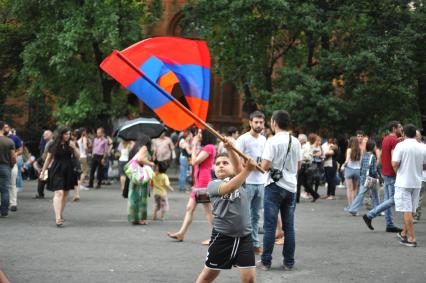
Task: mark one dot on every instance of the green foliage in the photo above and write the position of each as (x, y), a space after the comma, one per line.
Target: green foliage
(340, 65)
(69, 41)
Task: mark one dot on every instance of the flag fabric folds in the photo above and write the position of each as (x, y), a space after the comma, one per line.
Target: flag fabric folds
(166, 61)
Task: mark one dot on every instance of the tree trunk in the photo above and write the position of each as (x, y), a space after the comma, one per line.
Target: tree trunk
(311, 46)
(249, 105)
(107, 86)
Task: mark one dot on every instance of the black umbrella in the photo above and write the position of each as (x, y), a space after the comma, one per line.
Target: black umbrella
(132, 130)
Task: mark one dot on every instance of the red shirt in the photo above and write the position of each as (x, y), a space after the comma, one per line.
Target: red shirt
(388, 144)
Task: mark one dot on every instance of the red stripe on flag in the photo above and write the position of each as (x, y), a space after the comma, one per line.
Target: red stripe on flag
(121, 72)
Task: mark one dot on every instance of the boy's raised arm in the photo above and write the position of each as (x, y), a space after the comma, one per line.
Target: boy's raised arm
(238, 180)
(234, 158)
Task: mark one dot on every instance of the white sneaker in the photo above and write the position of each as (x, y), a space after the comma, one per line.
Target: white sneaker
(83, 188)
(304, 195)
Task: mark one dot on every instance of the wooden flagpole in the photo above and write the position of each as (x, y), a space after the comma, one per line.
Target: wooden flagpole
(181, 106)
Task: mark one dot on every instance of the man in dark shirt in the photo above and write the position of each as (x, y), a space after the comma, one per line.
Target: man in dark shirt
(7, 161)
(389, 176)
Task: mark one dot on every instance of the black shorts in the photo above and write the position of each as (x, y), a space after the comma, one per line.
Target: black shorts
(225, 252)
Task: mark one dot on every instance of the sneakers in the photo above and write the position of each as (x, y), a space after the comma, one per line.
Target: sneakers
(287, 268)
(353, 213)
(83, 188)
(13, 208)
(260, 265)
(368, 222)
(38, 196)
(400, 237)
(393, 229)
(407, 243)
(4, 214)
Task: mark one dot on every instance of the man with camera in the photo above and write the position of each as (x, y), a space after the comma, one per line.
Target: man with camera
(282, 156)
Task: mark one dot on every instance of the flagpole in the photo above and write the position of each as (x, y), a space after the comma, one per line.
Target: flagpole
(181, 106)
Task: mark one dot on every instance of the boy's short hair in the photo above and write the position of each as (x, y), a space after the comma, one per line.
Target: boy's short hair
(257, 114)
(223, 154)
(162, 167)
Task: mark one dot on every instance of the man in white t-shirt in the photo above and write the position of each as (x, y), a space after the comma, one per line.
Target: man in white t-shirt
(283, 155)
(408, 161)
(252, 144)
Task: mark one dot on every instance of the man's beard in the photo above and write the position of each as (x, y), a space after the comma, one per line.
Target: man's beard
(257, 130)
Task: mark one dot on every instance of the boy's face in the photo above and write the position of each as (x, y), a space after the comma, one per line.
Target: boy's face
(223, 167)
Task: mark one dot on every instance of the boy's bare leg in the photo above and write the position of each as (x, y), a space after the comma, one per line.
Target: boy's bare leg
(207, 275)
(248, 275)
(162, 213)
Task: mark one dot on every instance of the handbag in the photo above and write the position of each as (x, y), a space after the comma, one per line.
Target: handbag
(202, 196)
(370, 182)
(138, 174)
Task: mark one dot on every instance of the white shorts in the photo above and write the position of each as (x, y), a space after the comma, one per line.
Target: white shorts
(406, 199)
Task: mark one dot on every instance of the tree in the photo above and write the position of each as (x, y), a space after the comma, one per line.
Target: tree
(340, 65)
(69, 41)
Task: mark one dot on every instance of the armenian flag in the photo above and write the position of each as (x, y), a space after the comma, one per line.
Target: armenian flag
(165, 61)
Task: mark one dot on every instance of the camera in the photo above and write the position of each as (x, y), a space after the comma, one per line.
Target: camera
(276, 174)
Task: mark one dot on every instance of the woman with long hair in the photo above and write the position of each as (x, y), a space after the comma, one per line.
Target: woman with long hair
(352, 169)
(61, 177)
(202, 159)
(368, 165)
(137, 201)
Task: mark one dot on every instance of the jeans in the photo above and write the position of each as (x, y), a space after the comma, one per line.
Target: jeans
(183, 169)
(278, 199)
(19, 180)
(255, 199)
(360, 197)
(5, 178)
(96, 164)
(387, 204)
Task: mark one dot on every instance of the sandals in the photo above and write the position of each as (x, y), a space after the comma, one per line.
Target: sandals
(59, 222)
(175, 236)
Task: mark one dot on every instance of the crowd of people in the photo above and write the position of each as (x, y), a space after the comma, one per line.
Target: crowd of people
(296, 165)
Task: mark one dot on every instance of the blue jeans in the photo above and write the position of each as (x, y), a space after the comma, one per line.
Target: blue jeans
(19, 180)
(183, 169)
(278, 199)
(360, 197)
(387, 204)
(5, 176)
(255, 199)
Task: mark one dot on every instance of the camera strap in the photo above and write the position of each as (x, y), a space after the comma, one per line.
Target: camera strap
(288, 150)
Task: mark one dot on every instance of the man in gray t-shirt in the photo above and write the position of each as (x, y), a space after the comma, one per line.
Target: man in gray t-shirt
(231, 243)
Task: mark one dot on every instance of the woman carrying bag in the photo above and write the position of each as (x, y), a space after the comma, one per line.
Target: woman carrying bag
(139, 174)
(368, 172)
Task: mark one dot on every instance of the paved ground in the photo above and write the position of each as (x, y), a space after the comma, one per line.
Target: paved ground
(98, 245)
